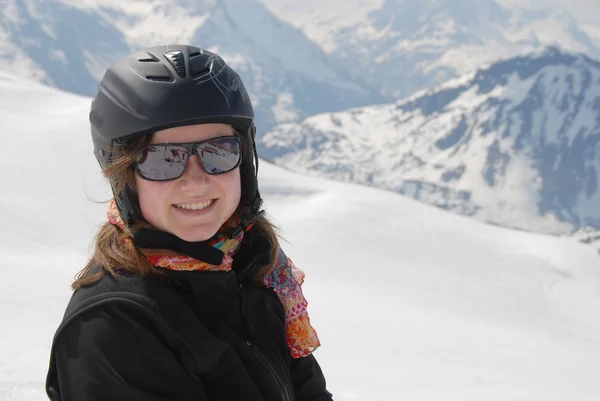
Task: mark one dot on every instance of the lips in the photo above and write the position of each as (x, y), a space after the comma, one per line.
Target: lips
(195, 205)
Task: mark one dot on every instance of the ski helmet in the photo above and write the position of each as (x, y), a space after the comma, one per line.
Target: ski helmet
(168, 86)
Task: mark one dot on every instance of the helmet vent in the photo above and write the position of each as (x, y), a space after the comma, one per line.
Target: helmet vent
(177, 60)
(200, 73)
(199, 67)
(144, 57)
(154, 71)
(159, 79)
(195, 54)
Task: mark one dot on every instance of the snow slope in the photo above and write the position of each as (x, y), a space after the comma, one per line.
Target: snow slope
(410, 302)
(516, 143)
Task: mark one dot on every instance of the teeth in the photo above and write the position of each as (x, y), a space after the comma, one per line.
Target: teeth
(194, 206)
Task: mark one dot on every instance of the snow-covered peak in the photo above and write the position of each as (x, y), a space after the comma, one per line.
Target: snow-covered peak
(53, 43)
(516, 143)
(68, 44)
(234, 25)
(403, 46)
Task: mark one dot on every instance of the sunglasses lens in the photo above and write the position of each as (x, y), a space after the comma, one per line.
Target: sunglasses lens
(163, 162)
(219, 155)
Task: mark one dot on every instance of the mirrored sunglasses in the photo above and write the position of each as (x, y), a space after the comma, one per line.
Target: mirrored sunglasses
(167, 161)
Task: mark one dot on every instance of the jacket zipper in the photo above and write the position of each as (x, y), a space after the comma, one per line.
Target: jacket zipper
(283, 389)
(246, 323)
(267, 364)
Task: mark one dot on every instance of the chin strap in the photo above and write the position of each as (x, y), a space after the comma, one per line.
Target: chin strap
(247, 220)
(250, 212)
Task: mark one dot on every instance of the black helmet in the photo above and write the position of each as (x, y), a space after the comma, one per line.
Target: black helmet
(168, 86)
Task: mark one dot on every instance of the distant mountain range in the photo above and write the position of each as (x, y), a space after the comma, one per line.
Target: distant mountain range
(68, 44)
(376, 53)
(516, 143)
(402, 46)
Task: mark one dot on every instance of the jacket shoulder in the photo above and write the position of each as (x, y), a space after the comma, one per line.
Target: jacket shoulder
(151, 295)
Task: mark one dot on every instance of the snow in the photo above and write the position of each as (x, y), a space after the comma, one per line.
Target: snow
(245, 22)
(593, 31)
(321, 20)
(397, 146)
(283, 110)
(410, 302)
(403, 46)
(69, 43)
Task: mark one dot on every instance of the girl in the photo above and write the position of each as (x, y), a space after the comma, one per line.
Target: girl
(188, 295)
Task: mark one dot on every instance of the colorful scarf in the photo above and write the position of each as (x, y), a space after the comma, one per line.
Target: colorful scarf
(285, 280)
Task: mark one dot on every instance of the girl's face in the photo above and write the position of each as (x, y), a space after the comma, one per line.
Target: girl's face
(166, 205)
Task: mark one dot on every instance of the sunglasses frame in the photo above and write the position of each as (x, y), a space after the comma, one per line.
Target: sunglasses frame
(191, 148)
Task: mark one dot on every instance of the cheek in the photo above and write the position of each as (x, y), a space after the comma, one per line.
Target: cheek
(151, 196)
(231, 185)
(237, 186)
(144, 197)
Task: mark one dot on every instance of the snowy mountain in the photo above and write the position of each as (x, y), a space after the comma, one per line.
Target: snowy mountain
(59, 45)
(410, 302)
(516, 143)
(68, 44)
(360, 52)
(402, 46)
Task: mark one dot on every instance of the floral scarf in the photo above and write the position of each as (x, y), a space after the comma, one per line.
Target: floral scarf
(285, 280)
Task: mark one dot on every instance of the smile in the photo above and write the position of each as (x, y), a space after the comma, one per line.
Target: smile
(194, 206)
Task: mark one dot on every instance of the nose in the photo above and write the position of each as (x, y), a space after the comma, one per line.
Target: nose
(194, 173)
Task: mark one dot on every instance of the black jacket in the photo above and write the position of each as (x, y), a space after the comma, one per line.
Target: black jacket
(214, 336)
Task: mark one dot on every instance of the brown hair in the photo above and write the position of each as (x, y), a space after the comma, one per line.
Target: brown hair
(113, 249)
